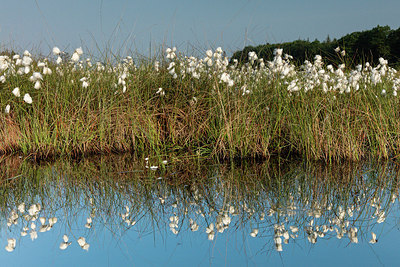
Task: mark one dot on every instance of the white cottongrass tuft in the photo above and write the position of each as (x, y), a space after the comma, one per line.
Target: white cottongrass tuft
(79, 51)
(37, 85)
(85, 84)
(36, 76)
(171, 53)
(16, 92)
(47, 71)
(56, 51)
(28, 99)
(75, 57)
(26, 61)
(160, 91)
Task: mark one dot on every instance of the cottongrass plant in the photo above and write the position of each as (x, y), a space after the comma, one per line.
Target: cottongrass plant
(198, 106)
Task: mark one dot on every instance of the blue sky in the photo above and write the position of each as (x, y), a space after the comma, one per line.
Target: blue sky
(122, 26)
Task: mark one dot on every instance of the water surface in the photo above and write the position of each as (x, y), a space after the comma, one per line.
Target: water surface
(138, 212)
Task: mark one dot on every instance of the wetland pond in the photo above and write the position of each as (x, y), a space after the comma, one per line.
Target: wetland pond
(122, 211)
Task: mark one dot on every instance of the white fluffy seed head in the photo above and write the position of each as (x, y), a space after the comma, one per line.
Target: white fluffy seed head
(7, 109)
(16, 92)
(79, 51)
(28, 99)
(75, 57)
(56, 51)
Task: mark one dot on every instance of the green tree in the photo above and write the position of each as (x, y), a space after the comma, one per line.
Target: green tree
(360, 47)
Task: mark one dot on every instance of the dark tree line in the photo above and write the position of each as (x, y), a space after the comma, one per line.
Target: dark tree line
(360, 47)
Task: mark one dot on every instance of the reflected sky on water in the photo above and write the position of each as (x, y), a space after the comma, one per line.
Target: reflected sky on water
(198, 214)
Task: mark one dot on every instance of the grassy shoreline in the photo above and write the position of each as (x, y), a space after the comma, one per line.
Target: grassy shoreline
(197, 107)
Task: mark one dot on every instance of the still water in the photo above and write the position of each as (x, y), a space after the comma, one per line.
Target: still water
(121, 211)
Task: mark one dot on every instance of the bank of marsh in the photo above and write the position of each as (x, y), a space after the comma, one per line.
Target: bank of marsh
(69, 105)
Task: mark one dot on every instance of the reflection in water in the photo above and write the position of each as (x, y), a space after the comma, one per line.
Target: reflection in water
(281, 203)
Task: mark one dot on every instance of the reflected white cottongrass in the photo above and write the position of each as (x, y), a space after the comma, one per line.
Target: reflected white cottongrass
(322, 219)
(210, 232)
(65, 244)
(83, 244)
(193, 225)
(88, 222)
(373, 239)
(11, 244)
(254, 232)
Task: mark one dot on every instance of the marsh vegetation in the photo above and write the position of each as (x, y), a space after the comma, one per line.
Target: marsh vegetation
(198, 106)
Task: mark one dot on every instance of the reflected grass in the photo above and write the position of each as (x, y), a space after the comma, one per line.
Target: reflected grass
(264, 200)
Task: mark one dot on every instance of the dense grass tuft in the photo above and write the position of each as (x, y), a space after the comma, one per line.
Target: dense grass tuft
(122, 109)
